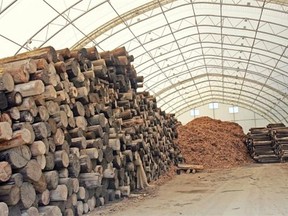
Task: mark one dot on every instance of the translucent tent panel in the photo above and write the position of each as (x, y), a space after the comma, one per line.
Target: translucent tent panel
(189, 52)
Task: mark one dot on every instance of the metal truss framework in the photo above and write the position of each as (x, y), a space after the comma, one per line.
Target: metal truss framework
(190, 52)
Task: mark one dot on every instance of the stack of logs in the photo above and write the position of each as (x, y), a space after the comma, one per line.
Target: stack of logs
(268, 144)
(75, 133)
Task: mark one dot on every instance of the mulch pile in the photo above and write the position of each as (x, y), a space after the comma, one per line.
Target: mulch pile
(213, 143)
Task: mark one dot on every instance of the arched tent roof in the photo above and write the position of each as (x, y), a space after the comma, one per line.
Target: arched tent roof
(191, 52)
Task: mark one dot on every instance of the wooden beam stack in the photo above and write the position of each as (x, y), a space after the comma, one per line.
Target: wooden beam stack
(268, 144)
(75, 133)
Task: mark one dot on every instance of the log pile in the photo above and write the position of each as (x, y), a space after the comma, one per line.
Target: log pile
(75, 133)
(268, 144)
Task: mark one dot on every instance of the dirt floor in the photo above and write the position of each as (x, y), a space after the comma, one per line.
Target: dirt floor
(255, 189)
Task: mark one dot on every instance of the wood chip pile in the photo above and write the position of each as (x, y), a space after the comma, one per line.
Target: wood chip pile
(213, 143)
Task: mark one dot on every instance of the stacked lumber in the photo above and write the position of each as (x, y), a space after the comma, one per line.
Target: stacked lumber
(75, 133)
(280, 137)
(268, 144)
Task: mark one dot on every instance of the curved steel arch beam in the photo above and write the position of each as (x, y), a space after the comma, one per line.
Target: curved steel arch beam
(231, 95)
(218, 75)
(139, 10)
(230, 88)
(229, 102)
(215, 74)
(211, 26)
(260, 110)
(209, 47)
(248, 93)
(117, 21)
(216, 57)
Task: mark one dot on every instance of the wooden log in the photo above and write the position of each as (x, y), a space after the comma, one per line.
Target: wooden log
(17, 157)
(90, 180)
(15, 179)
(99, 119)
(3, 101)
(71, 201)
(47, 53)
(14, 113)
(50, 161)
(40, 185)
(65, 53)
(19, 74)
(125, 191)
(92, 153)
(43, 113)
(14, 210)
(79, 142)
(109, 173)
(81, 122)
(59, 137)
(68, 183)
(48, 94)
(5, 171)
(4, 210)
(29, 104)
(32, 171)
(85, 208)
(44, 197)
(31, 88)
(79, 208)
(27, 194)
(82, 194)
(26, 116)
(85, 164)
(61, 119)
(75, 150)
(111, 194)
(92, 53)
(60, 193)
(52, 179)
(69, 212)
(49, 211)
(14, 98)
(5, 131)
(38, 148)
(75, 184)
(61, 159)
(19, 137)
(24, 125)
(108, 154)
(100, 155)
(10, 194)
(52, 107)
(115, 144)
(96, 129)
(41, 160)
(40, 130)
(28, 65)
(6, 82)
(60, 67)
(74, 165)
(32, 211)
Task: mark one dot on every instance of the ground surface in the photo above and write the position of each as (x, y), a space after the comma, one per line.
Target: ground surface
(255, 189)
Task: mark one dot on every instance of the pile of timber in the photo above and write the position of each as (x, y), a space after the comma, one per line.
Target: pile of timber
(268, 144)
(75, 133)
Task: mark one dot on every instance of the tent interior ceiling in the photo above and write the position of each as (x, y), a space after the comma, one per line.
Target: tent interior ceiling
(191, 52)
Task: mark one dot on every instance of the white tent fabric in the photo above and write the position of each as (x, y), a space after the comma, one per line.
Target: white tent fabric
(191, 52)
